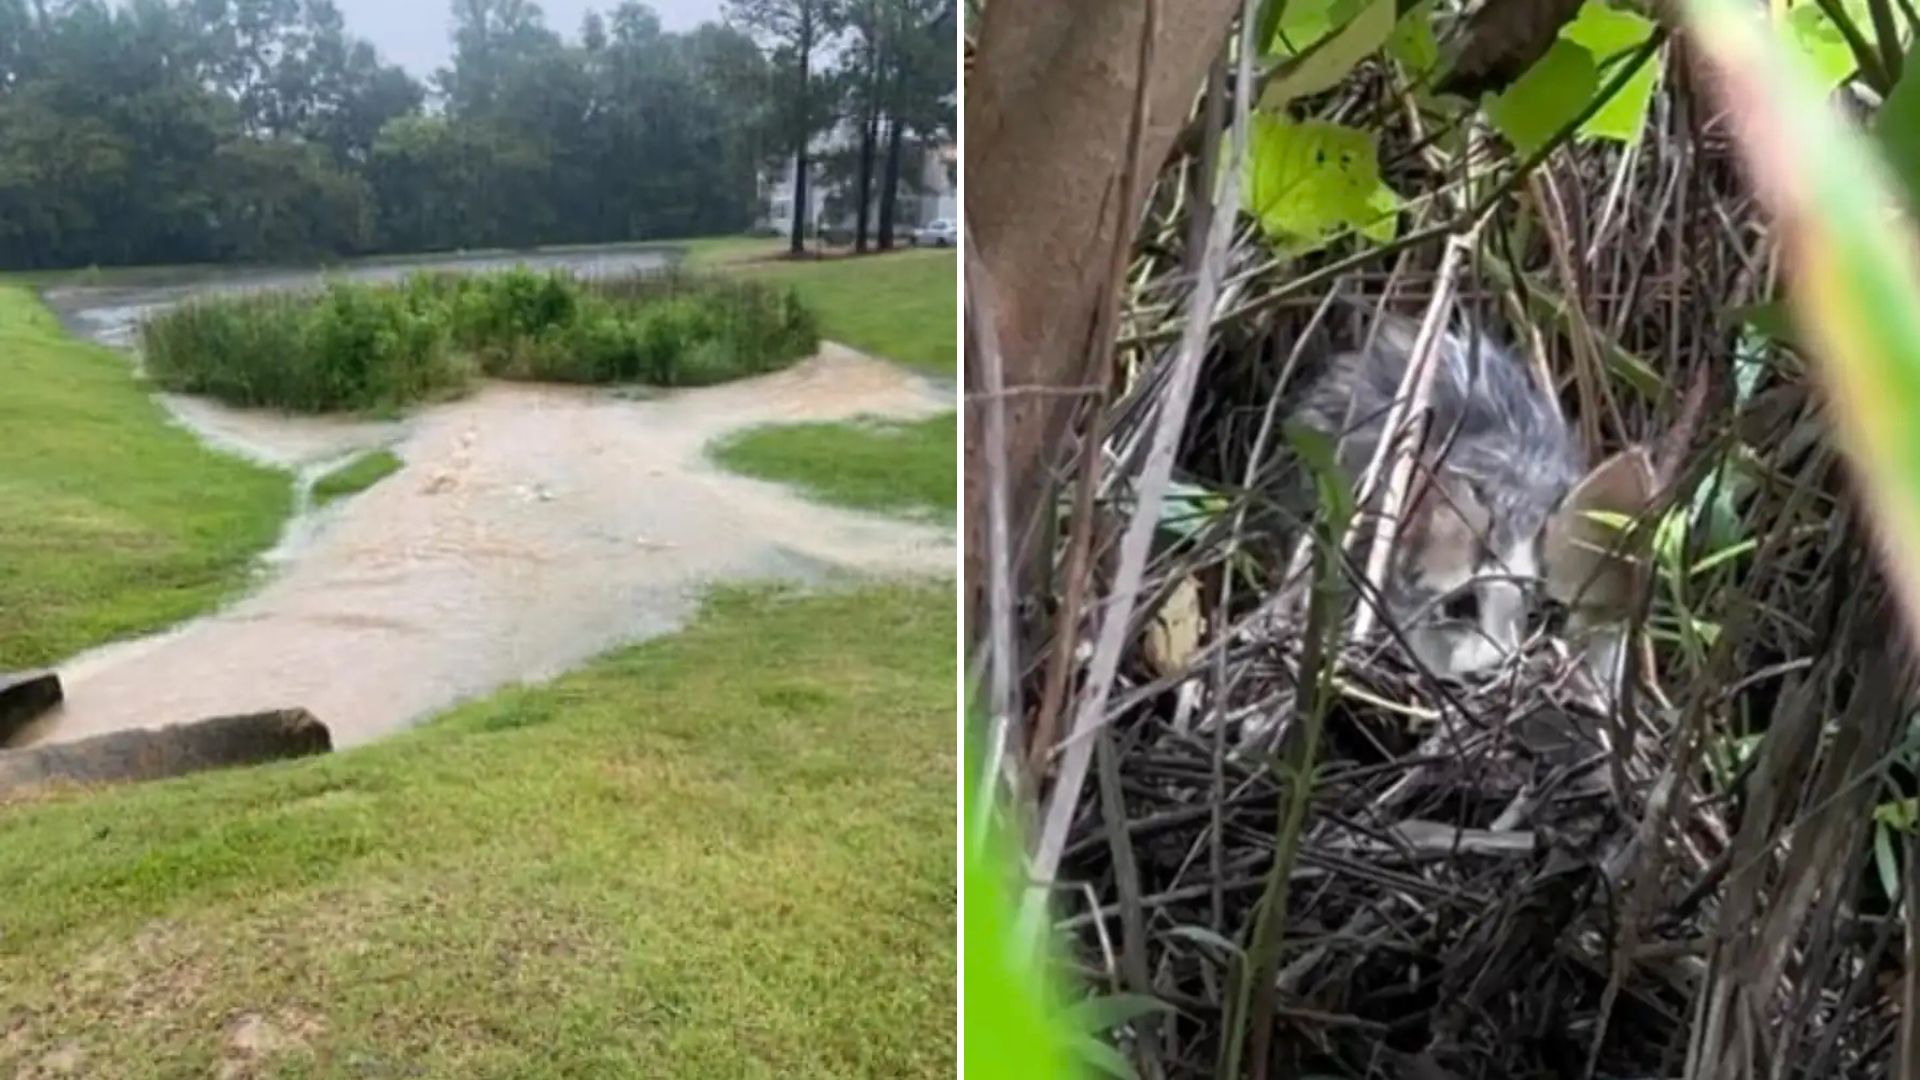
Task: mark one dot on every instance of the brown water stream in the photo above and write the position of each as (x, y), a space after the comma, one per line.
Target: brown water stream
(531, 528)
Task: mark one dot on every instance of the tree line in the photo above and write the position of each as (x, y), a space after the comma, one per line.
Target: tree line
(166, 131)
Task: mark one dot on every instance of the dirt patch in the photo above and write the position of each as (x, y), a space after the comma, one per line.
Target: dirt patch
(250, 1040)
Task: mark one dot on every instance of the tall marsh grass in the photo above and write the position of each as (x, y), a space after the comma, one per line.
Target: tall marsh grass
(363, 346)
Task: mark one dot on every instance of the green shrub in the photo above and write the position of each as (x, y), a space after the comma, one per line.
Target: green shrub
(354, 346)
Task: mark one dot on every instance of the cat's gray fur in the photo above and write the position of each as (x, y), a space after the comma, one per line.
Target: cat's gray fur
(1501, 460)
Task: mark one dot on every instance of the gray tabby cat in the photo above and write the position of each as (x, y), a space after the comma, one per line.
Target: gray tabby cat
(1498, 505)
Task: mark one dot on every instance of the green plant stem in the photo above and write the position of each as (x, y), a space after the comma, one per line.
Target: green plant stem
(1253, 997)
(1863, 54)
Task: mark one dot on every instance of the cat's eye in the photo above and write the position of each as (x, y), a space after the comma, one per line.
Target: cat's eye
(1463, 606)
(1547, 616)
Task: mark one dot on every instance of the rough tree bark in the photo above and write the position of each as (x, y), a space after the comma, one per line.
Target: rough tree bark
(1047, 105)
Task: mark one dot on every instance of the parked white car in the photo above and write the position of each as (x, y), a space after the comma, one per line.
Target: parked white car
(941, 233)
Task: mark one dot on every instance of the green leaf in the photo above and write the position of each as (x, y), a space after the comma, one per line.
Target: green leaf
(1413, 43)
(1901, 814)
(1821, 44)
(1611, 37)
(1303, 23)
(1101, 1014)
(1546, 98)
(1385, 204)
(1310, 180)
(1898, 129)
(1187, 508)
(1322, 66)
(1884, 861)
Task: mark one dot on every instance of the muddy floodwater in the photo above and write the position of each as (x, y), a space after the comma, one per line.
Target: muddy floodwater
(530, 528)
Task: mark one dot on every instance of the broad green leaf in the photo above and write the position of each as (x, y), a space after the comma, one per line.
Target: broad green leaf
(1303, 23)
(1612, 36)
(1898, 129)
(1546, 98)
(1322, 66)
(1310, 180)
(1385, 204)
(1413, 43)
(1821, 44)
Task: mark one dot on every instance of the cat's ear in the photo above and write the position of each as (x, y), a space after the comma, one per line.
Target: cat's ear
(1596, 543)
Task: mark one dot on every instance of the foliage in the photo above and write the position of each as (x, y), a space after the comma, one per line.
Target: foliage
(361, 346)
(175, 131)
(1309, 180)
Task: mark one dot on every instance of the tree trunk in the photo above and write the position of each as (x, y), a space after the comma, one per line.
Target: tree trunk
(891, 184)
(798, 241)
(867, 138)
(1047, 106)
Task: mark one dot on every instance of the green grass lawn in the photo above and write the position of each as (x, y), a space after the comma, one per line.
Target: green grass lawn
(725, 853)
(901, 305)
(355, 476)
(112, 522)
(869, 465)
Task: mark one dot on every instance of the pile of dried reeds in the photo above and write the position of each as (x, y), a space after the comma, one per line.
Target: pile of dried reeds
(1329, 863)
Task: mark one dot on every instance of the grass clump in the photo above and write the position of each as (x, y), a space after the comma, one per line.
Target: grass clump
(365, 347)
(113, 522)
(889, 466)
(668, 864)
(355, 476)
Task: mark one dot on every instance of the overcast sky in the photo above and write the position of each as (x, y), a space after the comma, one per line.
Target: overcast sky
(416, 34)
